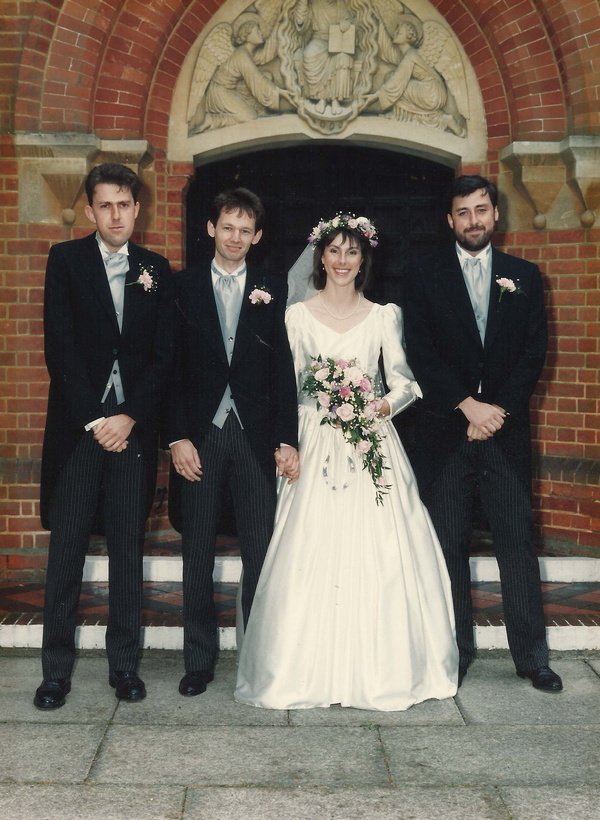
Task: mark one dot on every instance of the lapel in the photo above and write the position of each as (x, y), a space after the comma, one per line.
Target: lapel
(201, 309)
(500, 268)
(91, 267)
(134, 295)
(251, 321)
(453, 291)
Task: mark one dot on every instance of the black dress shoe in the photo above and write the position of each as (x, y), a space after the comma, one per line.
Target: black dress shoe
(194, 683)
(52, 693)
(127, 685)
(543, 678)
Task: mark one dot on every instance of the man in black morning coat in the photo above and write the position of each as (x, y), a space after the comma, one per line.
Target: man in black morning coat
(233, 416)
(476, 340)
(108, 332)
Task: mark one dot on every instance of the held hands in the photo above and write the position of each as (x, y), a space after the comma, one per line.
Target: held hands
(112, 432)
(484, 419)
(186, 460)
(288, 462)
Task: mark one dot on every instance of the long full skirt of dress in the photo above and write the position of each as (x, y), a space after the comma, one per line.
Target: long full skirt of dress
(353, 605)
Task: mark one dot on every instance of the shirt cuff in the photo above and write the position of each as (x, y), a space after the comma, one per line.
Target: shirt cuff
(92, 424)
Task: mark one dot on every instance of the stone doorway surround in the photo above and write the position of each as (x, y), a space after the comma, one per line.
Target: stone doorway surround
(399, 127)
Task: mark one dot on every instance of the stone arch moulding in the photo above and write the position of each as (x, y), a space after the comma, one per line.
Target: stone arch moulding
(283, 72)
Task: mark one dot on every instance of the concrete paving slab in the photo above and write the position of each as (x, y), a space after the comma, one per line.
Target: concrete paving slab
(594, 664)
(492, 693)
(283, 756)
(215, 707)
(91, 803)
(35, 753)
(91, 699)
(429, 713)
(502, 755)
(344, 804)
(552, 802)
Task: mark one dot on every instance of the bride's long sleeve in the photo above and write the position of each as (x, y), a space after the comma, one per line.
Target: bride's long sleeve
(293, 326)
(403, 389)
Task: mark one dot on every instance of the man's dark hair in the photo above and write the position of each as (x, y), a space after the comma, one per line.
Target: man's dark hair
(239, 200)
(468, 184)
(111, 173)
(357, 240)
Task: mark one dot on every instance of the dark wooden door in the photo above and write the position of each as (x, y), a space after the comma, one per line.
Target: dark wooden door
(404, 195)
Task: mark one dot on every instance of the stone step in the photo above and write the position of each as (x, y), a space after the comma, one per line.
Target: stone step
(228, 567)
(572, 612)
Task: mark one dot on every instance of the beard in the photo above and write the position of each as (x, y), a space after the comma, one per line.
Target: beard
(474, 242)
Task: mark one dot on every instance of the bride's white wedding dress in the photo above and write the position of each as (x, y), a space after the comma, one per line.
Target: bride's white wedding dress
(353, 605)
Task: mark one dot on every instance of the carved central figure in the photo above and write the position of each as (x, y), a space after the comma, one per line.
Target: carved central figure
(326, 60)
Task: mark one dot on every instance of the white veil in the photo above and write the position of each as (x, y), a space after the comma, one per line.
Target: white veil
(300, 287)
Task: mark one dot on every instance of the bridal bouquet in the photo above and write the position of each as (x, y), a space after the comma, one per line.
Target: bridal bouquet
(349, 398)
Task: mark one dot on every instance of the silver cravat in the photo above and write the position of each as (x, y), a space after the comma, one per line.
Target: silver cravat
(478, 292)
(117, 265)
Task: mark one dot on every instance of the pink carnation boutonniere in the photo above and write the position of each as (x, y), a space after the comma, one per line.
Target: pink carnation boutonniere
(147, 279)
(260, 296)
(507, 286)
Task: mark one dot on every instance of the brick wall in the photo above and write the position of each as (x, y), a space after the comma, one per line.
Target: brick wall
(108, 68)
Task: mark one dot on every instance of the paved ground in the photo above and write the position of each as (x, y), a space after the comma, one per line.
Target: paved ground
(499, 751)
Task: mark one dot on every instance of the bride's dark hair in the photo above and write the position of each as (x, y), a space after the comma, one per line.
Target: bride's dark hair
(365, 275)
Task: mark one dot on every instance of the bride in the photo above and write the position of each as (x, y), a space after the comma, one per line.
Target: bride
(353, 605)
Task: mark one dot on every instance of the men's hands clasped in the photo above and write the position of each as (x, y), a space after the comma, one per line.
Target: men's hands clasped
(484, 419)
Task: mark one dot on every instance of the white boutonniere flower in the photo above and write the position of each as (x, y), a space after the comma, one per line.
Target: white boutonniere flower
(507, 286)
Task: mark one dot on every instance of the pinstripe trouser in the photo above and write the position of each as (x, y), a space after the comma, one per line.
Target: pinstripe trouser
(119, 480)
(506, 500)
(226, 456)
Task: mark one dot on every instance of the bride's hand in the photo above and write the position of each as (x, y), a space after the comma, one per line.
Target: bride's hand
(385, 410)
(288, 462)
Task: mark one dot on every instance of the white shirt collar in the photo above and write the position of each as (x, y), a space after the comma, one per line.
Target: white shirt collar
(104, 250)
(238, 271)
(483, 255)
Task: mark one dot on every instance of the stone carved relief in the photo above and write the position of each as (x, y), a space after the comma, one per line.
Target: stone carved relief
(329, 61)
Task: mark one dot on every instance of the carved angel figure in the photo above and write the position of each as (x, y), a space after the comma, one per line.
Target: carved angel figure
(415, 90)
(326, 69)
(228, 87)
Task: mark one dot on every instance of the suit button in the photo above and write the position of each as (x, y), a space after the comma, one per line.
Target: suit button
(115, 351)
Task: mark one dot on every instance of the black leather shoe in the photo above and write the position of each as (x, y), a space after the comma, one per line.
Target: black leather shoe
(52, 693)
(127, 685)
(543, 678)
(194, 683)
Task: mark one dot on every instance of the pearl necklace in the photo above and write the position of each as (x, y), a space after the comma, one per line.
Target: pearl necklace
(333, 316)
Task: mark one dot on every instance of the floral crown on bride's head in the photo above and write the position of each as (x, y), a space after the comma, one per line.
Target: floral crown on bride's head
(348, 222)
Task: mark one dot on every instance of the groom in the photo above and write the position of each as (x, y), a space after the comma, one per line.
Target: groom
(233, 417)
(476, 338)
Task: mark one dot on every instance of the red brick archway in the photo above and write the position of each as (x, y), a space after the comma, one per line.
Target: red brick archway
(124, 58)
(110, 71)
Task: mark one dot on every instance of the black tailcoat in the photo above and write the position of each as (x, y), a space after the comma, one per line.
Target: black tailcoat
(82, 340)
(449, 361)
(261, 373)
